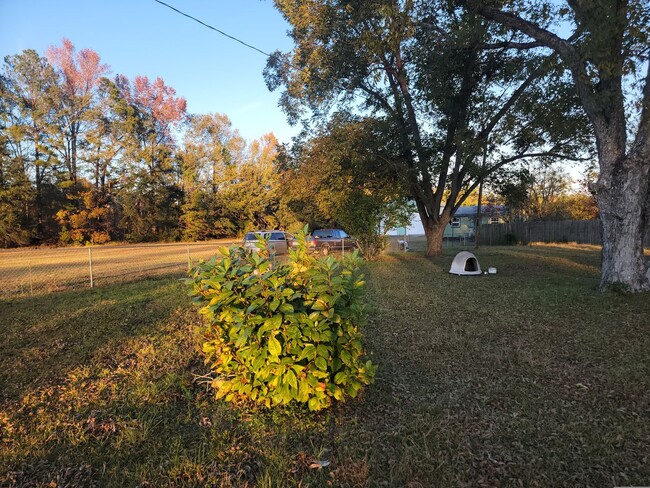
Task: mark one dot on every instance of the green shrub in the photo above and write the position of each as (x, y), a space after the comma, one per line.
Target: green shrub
(280, 332)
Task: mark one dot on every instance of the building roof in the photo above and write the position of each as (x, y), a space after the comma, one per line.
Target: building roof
(471, 210)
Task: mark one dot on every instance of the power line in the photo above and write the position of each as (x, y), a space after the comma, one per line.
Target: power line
(216, 30)
(272, 56)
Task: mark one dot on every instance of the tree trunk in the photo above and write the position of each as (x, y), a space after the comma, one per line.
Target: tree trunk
(622, 203)
(38, 200)
(73, 160)
(434, 231)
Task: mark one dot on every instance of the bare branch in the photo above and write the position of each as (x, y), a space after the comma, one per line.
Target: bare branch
(513, 45)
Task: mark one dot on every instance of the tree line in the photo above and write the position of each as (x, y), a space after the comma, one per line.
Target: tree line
(88, 158)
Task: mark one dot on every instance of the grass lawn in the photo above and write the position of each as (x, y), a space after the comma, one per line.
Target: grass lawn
(529, 377)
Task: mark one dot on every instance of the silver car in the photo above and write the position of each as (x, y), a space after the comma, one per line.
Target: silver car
(276, 241)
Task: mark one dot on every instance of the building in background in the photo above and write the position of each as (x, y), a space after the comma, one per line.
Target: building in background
(463, 223)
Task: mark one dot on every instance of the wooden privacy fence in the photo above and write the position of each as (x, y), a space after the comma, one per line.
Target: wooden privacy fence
(580, 231)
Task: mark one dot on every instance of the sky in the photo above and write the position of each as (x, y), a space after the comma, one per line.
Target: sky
(142, 37)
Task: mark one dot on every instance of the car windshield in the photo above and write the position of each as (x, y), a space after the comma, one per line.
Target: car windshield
(250, 237)
(322, 233)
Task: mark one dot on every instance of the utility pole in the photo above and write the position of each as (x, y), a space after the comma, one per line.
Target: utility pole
(480, 201)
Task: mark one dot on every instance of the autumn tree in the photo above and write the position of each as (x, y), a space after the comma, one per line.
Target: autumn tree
(436, 77)
(211, 146)
(345, 176)
(606, 54)
(74, 111)
(150, 195)
(79, 74)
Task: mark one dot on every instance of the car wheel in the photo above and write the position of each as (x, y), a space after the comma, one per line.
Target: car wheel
(325, 250)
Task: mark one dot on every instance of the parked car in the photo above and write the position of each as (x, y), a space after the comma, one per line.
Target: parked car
(277, 241)
(310, 242)
(332, 240)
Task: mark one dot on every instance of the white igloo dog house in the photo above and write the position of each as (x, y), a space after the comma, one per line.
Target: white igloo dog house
(466, 264)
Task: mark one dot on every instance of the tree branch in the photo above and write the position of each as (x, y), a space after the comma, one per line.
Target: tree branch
(512, 100)
(512, 45)
(567, 52)
(641, 143)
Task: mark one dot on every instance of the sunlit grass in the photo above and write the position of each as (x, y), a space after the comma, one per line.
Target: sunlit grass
(526, 377)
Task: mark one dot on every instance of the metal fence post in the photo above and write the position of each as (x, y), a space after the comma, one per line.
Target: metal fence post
(31, 279)
(189, 260)
(90, 265)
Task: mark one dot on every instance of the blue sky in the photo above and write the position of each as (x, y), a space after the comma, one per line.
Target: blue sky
(142, 37)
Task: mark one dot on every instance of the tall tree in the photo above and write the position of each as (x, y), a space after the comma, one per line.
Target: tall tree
(249, 195)
(431, 73)
(345, 177)
(79, 73)
(607, 56)
(211, 146)
(150, 195)
(28, 165)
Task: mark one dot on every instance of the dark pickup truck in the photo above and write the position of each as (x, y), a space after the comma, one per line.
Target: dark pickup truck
(332, 240)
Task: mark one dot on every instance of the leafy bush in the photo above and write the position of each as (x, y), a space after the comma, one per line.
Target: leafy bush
(371, 244)
(282, 332)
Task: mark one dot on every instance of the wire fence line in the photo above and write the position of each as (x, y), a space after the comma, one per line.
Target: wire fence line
(25, 272)
(37, 271)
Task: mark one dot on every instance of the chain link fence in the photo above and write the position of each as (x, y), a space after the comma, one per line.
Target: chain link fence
(37, 271)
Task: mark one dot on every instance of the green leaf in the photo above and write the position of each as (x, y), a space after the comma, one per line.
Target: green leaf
(312, 380)
(275, 321)
(346, 358)
(259, 362)
(321, 363)
(319, 305)
(314, 404)
(341, 378)
(291, 380)
(323, 351)
(303, 391)
(274, 346)
(307, 352)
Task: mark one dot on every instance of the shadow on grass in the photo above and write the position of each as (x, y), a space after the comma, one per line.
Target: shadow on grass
(119, 405)
(46, 336)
